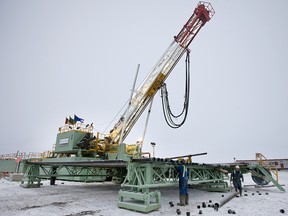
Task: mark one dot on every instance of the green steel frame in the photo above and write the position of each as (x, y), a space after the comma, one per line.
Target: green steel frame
(91, 172)
(262, 173)
(142, 177)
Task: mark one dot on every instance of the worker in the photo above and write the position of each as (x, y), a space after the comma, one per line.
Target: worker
(236, 177)
(183, 183)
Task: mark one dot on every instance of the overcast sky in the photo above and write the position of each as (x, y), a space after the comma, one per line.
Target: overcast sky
(66, 57)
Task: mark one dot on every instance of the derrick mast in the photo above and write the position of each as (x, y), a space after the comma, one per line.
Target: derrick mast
(153, 81)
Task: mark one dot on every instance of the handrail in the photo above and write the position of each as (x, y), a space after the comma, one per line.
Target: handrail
(267, 164)
(85, 128)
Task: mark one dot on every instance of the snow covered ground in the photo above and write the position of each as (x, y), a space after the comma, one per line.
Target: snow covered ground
(77, 199)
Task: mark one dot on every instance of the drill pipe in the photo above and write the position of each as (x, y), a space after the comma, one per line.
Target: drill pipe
(191, 155)
(227, 199)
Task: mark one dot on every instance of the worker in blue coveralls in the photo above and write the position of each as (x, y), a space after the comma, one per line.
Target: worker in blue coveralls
(236, 177)
(183, 183)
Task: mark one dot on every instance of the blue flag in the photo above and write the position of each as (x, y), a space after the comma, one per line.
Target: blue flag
(77, 119)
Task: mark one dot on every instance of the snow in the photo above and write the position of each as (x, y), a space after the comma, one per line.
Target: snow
(77, 199)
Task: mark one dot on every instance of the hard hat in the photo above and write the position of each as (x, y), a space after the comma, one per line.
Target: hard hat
(139, 140)
(237, 167)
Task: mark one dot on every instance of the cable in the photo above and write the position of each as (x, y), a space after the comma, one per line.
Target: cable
(168, 115)
(116, 116)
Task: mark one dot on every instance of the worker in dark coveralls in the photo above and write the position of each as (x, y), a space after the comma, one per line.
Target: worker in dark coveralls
(183, 183)
(236, 177)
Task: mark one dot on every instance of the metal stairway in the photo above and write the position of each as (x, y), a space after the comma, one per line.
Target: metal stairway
(266, 168)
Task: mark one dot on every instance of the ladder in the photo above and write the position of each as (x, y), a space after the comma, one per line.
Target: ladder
(264, 166)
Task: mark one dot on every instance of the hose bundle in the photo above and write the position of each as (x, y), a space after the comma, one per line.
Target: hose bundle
(171, 118)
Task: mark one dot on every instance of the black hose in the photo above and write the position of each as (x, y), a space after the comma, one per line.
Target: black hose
(168, 115)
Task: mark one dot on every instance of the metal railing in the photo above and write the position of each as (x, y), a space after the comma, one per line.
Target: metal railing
(262, 160)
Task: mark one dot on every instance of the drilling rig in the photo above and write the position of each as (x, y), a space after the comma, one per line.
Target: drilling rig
(81, 155)
(105, 146)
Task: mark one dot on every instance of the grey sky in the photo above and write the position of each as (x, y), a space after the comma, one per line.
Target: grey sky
(59, 58)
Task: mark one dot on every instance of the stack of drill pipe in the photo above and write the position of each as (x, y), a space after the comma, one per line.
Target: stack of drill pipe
(141, 159)
(157, 159)
(227, 199)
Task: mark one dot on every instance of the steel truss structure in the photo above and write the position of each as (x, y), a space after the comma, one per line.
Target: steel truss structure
(141, 178)
(145, 176)
(84, 171)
